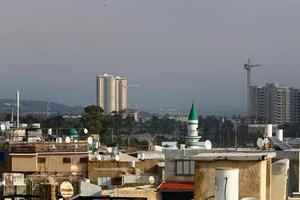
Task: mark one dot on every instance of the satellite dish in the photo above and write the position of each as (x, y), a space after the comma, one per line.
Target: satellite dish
(90, 140)
(99, 157)
(85, 131)
(208, 144)
(2, 127)
(260, 143)
(151, 180)
(67, 139)
(117, 158)
(109, 149)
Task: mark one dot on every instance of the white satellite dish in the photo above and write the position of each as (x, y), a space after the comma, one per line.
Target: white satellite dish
(90, 140)
(208, 144)
(85, 131)
(109, 149)
(260, 143)
(99, 157)
(67, 139)
(117, 158)
(151, 180)
(2, 127)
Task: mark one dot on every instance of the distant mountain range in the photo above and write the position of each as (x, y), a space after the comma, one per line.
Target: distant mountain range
(39, 107)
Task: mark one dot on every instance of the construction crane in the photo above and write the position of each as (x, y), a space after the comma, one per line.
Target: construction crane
(248, 66)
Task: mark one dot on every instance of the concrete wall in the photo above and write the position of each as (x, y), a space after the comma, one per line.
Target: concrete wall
(254, 178)
(280, 179)
(24, 163)
(293, 178)
(117, 169)
(171, 155)
(150, 194)
(53, 163)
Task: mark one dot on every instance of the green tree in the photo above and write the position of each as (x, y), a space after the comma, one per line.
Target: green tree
(95, 120)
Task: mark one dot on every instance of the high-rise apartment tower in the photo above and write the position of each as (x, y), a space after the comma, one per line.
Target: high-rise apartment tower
(274, 103)
(111, 93)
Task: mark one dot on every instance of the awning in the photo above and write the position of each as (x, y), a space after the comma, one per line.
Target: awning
(176, 186)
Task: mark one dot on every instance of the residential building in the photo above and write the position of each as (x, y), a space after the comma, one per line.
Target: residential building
(111, 93)
(45, 157)
(295, 104)
(271, 103)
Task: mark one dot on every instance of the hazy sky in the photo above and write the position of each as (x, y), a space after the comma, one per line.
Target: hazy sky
(174, 49)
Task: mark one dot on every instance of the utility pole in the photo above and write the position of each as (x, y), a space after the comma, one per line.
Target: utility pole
(248, 66)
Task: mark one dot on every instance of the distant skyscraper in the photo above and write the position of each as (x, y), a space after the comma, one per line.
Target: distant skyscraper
(274, 103)
(111, 93)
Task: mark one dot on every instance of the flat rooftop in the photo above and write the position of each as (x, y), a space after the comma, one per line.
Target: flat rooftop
(235, 156)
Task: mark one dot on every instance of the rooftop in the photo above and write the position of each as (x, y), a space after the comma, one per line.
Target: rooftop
(235, 156)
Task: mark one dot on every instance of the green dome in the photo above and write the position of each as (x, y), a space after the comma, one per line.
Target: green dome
(193, 113)
(72, 131)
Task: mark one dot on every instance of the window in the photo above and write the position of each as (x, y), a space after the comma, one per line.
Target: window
(66, 160)
(104, 181)
(83, 160)
(41, 160)
(185, 167)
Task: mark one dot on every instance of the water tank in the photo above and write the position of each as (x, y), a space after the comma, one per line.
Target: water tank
(227, 184)
(279, 134)
(268, 130)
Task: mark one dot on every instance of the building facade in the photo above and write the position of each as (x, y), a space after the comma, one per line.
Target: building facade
(274, 103)
(111, 93)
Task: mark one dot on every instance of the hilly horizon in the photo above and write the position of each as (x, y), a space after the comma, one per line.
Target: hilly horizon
(38, 106)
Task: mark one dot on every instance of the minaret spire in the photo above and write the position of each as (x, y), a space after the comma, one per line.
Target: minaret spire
(193, 138)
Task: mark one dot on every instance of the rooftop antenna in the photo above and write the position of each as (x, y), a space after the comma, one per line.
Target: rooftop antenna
(248, 66)
(18, 109)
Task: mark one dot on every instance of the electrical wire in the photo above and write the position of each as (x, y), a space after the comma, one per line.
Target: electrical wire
(226, 180)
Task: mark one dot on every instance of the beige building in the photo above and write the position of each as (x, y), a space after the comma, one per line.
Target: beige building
(47, 157)
(112, 93)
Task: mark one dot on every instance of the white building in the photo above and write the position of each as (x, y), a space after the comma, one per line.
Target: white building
(111, 93)
(274, 103)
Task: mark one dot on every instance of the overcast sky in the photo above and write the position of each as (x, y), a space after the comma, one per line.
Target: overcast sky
(173, 49)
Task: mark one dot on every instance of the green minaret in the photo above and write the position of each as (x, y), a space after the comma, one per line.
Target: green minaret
(192, 137)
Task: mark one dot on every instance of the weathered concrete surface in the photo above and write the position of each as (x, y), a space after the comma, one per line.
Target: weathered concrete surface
(294, 172)
(148, 192)
(280, 179)
(254, 178)
(117, 169)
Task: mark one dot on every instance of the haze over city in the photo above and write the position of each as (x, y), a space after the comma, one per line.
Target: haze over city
(169, 51)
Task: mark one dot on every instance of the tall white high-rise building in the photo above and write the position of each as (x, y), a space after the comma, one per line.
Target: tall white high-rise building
(112, 93)
(271, 103)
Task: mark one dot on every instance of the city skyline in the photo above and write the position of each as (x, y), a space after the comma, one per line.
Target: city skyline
(168, 56)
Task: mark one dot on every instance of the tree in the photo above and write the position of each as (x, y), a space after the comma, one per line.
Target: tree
(94, 119)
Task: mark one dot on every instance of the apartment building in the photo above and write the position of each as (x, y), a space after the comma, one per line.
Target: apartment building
(112, 93)
(274, 103)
